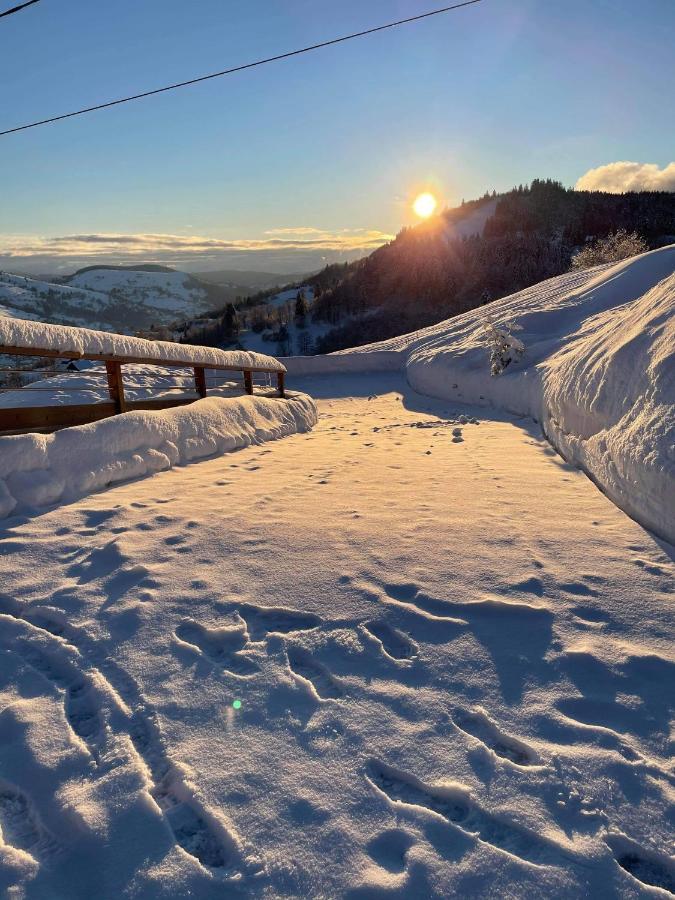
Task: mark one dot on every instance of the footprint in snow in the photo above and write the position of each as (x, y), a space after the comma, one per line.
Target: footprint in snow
(456, 806)
(20, 825)
(313, 675)
(477, 724)
(646, 866)
(221, 646)
(262, 621)
(390, 848)
(394, 644)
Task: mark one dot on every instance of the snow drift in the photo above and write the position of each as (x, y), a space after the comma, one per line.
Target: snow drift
(85, 341)
(598, 372)
(37, 469)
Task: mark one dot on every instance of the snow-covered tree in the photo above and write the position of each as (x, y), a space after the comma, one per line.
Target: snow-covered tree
(613, 248)
(503, 346)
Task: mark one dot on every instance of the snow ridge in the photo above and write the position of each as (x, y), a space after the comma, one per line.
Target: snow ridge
(37, 470)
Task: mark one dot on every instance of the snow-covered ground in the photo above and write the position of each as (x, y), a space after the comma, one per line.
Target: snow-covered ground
(29, 298)
(37, 470)
(409, 654)
(598, 372)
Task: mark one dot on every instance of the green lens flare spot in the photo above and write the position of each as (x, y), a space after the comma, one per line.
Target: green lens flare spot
(236, 704)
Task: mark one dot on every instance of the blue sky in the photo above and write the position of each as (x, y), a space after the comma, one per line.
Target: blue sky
(339, 140)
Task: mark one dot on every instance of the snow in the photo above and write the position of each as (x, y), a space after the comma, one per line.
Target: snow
(452, 655)
(65, 339)
(410, 653)
(29, 298)
(598, 373)
(106, 299)
(37, 470)
(140, 383)
(170, 291)
(474, 222)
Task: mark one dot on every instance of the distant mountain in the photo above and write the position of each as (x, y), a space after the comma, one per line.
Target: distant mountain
(115, 298)
(246, 281)
(477, 252)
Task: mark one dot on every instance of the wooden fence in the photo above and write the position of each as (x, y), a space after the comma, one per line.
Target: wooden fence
(40, 418)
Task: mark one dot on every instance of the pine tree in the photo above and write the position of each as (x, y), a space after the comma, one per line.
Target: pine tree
(301, 308)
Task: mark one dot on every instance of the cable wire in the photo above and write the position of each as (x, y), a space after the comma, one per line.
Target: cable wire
(16, 9)
(251, 65)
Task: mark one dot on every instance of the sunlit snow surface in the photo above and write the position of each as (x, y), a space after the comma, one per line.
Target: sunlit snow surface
(598, 373)
(453, 656)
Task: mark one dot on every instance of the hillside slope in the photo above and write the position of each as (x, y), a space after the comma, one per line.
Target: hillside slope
(29, 298)
(110, 299)
(475, 253)
(598, 372)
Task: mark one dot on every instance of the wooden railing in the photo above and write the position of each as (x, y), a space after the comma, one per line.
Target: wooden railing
(40, 418)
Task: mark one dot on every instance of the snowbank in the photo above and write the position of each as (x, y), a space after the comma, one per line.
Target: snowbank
(598, 372)
(346, 361)
(84, 341)
(37, 470)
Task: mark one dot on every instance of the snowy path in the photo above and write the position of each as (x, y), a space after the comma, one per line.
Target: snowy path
(440, 696)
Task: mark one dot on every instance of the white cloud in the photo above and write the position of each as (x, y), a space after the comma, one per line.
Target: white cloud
(619, 177)
(285, 250)
(146, 245)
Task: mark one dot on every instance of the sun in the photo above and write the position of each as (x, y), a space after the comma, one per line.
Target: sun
(425, 205)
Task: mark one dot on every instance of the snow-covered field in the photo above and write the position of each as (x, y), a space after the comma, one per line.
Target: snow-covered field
(410, 653)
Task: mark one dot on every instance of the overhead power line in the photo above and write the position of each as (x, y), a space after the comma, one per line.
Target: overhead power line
(231, 71)
(16, 9)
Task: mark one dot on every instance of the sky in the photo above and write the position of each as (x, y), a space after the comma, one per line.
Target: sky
(317, 158)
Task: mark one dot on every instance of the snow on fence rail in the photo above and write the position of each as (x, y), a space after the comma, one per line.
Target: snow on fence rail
(37, 339)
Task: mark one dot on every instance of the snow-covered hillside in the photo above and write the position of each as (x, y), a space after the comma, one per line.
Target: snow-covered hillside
(28, 298)
(170, 293)
(598, 373)
(108, 299)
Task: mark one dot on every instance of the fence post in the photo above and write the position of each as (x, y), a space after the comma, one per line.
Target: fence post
(248, 382)
(116, 385)
(280, 383)
(200, 380)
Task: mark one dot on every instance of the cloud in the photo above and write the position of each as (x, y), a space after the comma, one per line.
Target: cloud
(145, 245)
(619, 177)
(282, 250)
(302, 229)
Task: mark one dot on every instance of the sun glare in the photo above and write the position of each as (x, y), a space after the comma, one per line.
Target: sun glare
(425, 205)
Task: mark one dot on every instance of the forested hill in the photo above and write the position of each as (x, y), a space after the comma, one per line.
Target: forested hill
(480, 251)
